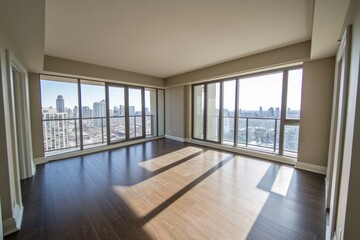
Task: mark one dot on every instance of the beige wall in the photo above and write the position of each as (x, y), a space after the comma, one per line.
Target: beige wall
(285, 55)
(35, 114)
(316, 106)
(175, 112)
(66, 66)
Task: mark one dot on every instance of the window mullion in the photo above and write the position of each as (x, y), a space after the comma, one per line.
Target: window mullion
(80, 115)
(107, 103)
(127, 120)
(236, 124)
(283, 111)
(220, 121)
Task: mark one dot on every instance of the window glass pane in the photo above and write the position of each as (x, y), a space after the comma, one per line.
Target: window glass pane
(117, 113)
(229, 91)
(291, 139)
(150, 112)
(198, 124)
(212, 118)
(93, 113)
(242, 131)
(294, 94)
(59, 103)
(259, 111)
(260, 96)
(262, 133)
(161, 113)
(135, 113)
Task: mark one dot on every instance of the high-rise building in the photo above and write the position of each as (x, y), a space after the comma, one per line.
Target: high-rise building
(69, 112)
(99, 110)
(55, 129)
(85, 112)
(271, 112)
(60, 105)
(277, 112)
(75, 112)
(131, 110)
(122, 110)
(116, 111)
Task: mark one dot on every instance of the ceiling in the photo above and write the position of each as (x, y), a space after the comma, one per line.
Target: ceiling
(164, 38)
(22, 26)
(328, 22)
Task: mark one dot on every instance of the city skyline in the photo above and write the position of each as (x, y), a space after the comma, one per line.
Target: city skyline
(265, 91)
(89, 94)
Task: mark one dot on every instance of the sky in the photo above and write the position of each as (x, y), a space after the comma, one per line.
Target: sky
(264, 91)
(255, 91)
(89, 94)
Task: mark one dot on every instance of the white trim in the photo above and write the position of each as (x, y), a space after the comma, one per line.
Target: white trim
(13, 224)
(43, 160)
(311, 167)
(179, 139)
(248, 152)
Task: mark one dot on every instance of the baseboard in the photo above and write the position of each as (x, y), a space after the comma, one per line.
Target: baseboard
(179, 139)
(13, 224)
(247, 152)
(311, 167)
(43, 160)
(40, 160)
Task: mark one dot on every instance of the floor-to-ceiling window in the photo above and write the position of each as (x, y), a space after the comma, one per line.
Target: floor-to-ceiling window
(293, 106)
(117, 120)
(136, 104)
(79, 114)
(259, 104)
(150, 112)
(212, 111)
(198, 111)
(60, 114)
(93, 113)
(228, 113)
(259, 111)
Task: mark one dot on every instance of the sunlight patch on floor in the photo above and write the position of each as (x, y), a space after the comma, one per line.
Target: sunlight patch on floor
(167, 159)
(282, 180)
(224, 203)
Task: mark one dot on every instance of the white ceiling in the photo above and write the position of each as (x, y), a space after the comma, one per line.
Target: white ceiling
(164, 38)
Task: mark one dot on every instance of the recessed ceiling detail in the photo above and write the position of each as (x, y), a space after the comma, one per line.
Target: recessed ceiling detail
(164, 38)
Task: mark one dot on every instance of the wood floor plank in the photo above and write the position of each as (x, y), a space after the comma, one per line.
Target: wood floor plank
(164, 189)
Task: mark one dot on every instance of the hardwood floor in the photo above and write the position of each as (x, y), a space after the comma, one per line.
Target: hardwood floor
(169, 190)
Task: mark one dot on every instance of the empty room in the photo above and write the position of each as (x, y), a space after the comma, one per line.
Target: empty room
(200, 119)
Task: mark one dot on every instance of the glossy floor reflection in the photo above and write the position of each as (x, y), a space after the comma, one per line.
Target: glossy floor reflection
(169, 190)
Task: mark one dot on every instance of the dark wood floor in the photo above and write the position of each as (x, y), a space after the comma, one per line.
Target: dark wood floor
(169, 190)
